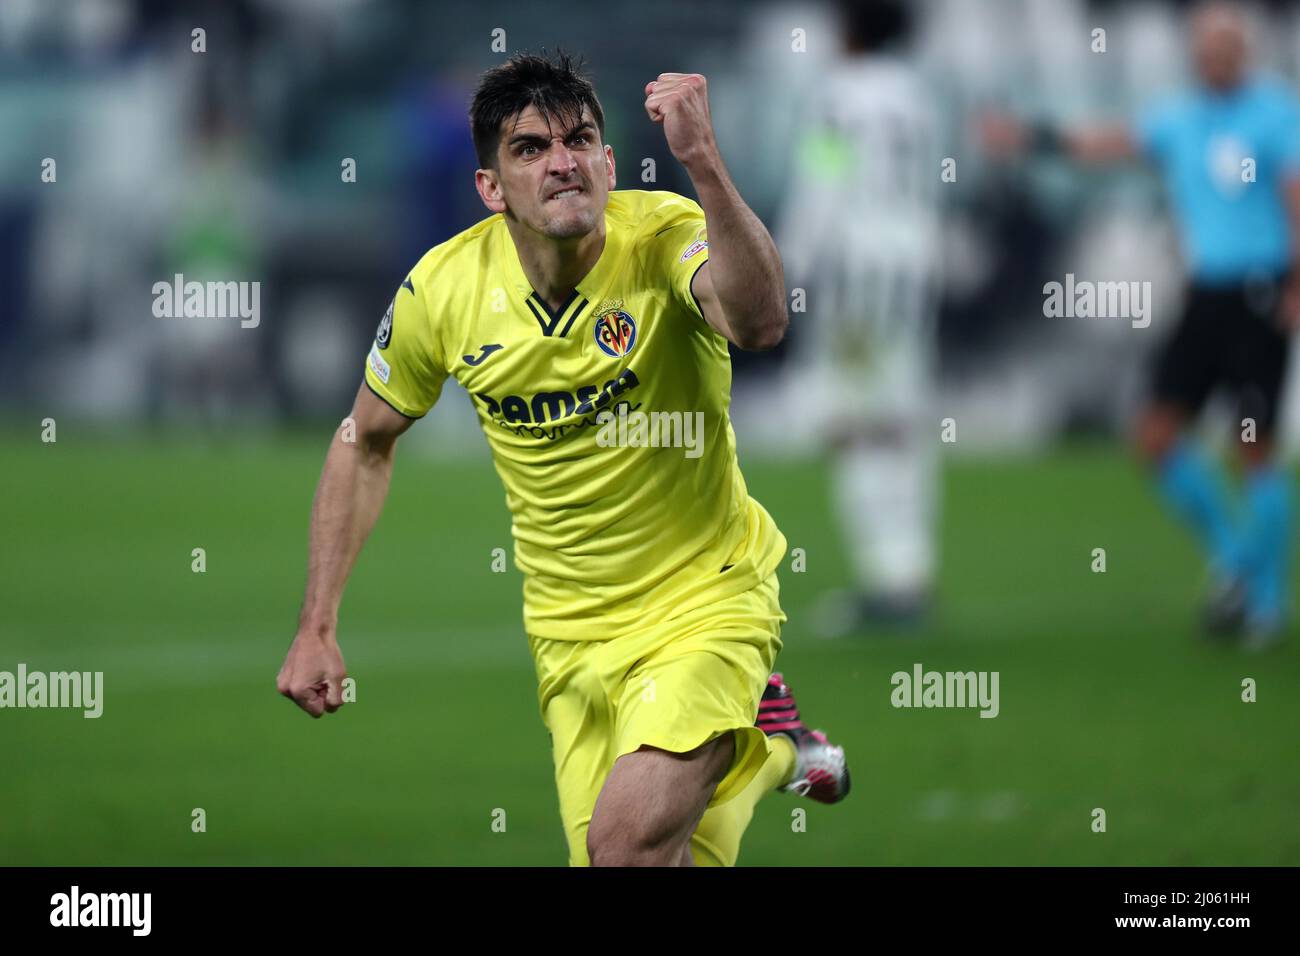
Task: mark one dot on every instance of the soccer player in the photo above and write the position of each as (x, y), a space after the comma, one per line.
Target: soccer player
(651, 609)
(860, 228)
(1229, 153)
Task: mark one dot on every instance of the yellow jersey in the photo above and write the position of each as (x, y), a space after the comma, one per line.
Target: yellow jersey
(607, 419)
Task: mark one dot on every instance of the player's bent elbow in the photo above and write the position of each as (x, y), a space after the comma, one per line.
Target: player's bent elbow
(365, 446)
(764, 337)
(378, 448)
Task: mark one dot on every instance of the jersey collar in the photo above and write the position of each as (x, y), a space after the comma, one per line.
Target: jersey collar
(590, 288)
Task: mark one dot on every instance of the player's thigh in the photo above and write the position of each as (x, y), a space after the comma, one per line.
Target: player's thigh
(655, 798)
(577, 715)
(704, 682)
(1188, 365)
(1184, 371)
(1258, 362)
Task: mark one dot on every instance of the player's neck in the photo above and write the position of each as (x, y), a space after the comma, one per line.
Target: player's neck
(554, 267)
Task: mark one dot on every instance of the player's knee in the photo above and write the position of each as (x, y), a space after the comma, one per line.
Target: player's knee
(631, 841)
(1155, 436)
(1256, 453)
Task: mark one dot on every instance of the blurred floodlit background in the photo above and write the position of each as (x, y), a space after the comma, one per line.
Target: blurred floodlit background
(228, 163)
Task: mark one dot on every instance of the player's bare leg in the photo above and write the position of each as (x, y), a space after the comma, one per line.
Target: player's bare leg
(1159, 428)
(652, 802)
(885, 482)
(1257, 453)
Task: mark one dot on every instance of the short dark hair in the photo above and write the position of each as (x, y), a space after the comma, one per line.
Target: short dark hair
(555, 85)
(873, 25)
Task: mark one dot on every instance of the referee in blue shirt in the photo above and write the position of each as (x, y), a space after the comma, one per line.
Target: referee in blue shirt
(1228, 151)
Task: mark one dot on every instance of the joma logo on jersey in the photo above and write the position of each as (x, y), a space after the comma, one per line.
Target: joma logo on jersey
(615, 332)
(552, 406)
(483, 352)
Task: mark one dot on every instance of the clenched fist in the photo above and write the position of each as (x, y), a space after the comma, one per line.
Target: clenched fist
(681, 102)
(313, 673)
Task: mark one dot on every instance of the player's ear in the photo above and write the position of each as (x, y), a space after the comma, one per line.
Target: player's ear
(609, 162)
(489, 189)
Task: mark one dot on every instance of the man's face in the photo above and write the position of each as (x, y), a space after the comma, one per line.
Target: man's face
(553, 177)
(1219, 47)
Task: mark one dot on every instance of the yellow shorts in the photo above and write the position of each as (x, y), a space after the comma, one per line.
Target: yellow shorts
(674, 685)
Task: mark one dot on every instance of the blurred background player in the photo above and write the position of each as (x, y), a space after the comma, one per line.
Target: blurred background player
(1228, 152)
(859, 232)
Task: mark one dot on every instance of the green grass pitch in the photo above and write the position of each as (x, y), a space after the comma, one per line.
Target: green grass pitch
(1108, 698)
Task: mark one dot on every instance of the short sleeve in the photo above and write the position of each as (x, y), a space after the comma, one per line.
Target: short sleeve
(681, 245)
(404, 367)
(1289, 138)
(1154, 129)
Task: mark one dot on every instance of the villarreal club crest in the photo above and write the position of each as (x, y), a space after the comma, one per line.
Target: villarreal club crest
(615, 330)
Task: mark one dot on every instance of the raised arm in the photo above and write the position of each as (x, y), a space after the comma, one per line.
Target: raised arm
(1007, 136)
(741, 289)
(351, 492)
